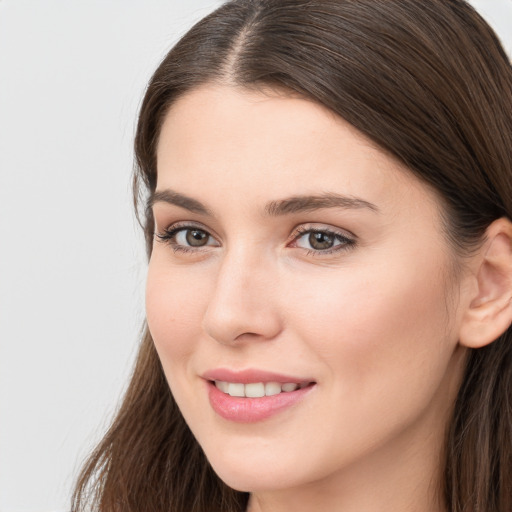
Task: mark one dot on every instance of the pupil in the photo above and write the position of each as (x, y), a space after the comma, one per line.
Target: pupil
(196, 238)
(321, 241)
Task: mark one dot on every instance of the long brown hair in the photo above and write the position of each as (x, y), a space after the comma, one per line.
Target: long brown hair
(428, 82)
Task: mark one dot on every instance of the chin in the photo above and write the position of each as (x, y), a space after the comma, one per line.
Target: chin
(260, 472)
(253, 481)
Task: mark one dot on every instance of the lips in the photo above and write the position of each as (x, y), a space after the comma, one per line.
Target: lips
(253, 395)
(251, 375)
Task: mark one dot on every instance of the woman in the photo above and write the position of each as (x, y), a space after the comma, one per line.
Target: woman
(327, 190)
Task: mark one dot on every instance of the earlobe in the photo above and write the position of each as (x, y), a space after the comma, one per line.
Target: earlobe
(489, 313)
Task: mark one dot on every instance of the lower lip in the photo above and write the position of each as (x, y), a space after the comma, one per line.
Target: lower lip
(251, 410)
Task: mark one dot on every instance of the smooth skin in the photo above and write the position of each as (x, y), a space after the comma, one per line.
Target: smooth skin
(358, 294)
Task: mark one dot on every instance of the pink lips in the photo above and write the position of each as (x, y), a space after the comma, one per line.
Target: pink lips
(249, 410)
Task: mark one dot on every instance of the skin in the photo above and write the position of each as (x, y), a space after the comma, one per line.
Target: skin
(375, 324)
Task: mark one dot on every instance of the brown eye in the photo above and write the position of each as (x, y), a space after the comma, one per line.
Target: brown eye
(320, 241)
(196, 237)
(187, 238)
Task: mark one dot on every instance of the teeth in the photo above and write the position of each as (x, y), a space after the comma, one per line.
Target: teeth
(223, 386)
(257, 389)
(272, 388)
(236, 389)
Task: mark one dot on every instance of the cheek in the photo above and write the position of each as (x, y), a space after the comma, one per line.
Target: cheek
(381, 338)
(175, 304)
(382, 330)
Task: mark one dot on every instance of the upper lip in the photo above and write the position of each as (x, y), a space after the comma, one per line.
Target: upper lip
(251, 375)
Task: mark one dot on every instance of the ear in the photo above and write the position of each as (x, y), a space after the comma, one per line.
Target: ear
(489, 313)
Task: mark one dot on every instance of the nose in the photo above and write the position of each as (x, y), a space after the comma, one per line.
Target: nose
(244, 303)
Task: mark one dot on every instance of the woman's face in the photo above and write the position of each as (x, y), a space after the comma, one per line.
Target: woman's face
(289, 249)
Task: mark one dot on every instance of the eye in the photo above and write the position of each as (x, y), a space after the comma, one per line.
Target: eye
(323, 241)
(192, 237)
(187, 238)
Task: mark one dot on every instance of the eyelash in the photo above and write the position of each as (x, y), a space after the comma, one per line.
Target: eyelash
(169, 237)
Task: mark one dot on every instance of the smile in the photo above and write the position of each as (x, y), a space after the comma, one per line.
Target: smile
(255, 401)
(258, 389)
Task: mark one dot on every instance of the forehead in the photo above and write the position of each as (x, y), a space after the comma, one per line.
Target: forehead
(267, 145)
(271, 121)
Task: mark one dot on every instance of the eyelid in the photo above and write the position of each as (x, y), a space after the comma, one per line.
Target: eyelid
(183, 225)
(323, 228)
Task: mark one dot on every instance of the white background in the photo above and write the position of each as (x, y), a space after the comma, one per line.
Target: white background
(72, 75)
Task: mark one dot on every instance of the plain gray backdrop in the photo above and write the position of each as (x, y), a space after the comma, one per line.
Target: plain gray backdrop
(72, 265)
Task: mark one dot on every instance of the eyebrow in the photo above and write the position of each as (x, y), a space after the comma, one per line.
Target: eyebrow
(294, 204)
(177, 199)
(302, 204)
